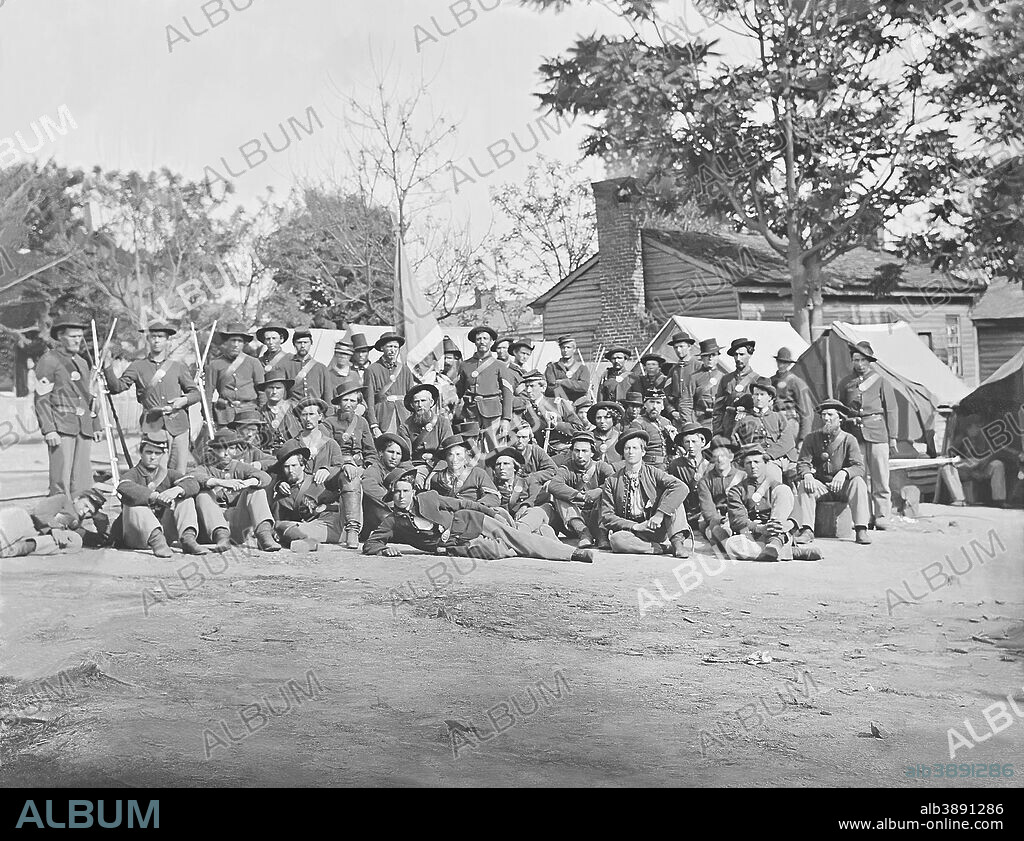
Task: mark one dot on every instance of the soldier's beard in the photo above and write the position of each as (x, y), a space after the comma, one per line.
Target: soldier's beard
(346, 414)
(651, 414)
(423, 416)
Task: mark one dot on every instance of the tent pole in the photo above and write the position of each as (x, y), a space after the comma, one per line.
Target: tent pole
(828, 363)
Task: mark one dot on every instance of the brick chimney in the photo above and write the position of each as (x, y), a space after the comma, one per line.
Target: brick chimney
(620, 271)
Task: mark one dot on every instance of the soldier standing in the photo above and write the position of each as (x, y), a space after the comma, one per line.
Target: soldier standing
(360, 354)
(310, 376)
(273, 336)
(63, 404)
(485, 387)
(341, 373)
(651, 377)
(793, 397)
(568, 377)
(697, 403)
(617, 382)
(521, 351)
(733, 384)
(386, 383)
(872, 402)
(233, 377)
(164, 389)
(682, 372)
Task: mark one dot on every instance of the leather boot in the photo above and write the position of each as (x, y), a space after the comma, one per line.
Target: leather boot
(158, 543)
(861, 535)
(22, 547)
(804, 536)
(584, 556)
(771, 550)
(190, 543)
(352, 536)
(266, 540)
(579, 529)
(222, 537)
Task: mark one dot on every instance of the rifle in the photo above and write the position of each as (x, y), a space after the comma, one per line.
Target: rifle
(200, 372)
(115, 475)
(592, 389)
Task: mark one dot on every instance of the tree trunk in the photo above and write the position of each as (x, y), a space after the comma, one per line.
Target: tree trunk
(805, 280)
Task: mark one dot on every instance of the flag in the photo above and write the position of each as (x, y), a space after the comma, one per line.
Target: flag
(414, 317)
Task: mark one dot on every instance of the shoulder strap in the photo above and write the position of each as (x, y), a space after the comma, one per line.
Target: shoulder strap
(304, 371)
(268, 366)
(236, 363)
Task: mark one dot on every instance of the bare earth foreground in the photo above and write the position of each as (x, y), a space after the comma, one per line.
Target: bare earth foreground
(335, 669)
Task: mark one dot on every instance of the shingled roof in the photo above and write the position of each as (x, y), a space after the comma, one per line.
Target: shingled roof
(1001, 300)
(756, 268)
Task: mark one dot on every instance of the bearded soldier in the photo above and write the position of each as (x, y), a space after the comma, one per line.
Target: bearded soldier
(426, 427)
(617, 382)
(485, 387)
(63, 404)
(164, 389)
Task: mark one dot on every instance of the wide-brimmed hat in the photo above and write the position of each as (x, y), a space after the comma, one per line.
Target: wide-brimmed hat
(344, 389)
(510, 452)
(604, 404)
(613, 350)
(323, 406)
(247, 417)
(156, 438)
(744, 401)
(518, 343)
(275, 376)
(864, 349)
(754, 449)
(654, 394)
(657, 356)
(289, 449)
(629, 435)
(483, 328)
(736, 344)
(359, 342)
(502, 340)
(633, 398)
(691, 428)
(785, 355)
(233, 330)
(159, 327)
(708, 346)
(280, 329)
(416, 389)
(66, 321)
(448, 442)
(764, 384)
(840, 407)
(400, 472)
(385, 438)
(225, 437)
(682, 337)
(448, 346)
(390, 336)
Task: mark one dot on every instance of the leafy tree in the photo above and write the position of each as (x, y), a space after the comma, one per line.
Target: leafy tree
(978, 221)
(820, 134)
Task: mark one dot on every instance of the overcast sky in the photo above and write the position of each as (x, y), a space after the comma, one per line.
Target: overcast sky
(143, 96)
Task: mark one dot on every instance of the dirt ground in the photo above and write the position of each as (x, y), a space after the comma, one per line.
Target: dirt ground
(120, 669)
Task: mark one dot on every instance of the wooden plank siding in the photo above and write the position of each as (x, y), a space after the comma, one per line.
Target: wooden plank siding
(678, 285)
(998, 341)
(922, 317)
(576, 311)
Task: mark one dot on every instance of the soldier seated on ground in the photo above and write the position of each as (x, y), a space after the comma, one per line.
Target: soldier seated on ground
(713, 490)
(455, 474)
(249, 425)
(605, 418)
(520, 496)
(576, 493)
(392, 450)
(437, 524)
(233, 498)
(56, 525)
(831, 468)
(761, 515)
(157, 503)
(427, 426)
(536, 462)
(642, 506)
(305, 513)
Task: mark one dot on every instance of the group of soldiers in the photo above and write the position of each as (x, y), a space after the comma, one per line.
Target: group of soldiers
(482, 457)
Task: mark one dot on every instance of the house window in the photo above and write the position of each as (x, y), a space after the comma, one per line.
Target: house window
(954, 349)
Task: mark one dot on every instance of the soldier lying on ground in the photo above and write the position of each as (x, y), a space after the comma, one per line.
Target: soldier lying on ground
(56, 525)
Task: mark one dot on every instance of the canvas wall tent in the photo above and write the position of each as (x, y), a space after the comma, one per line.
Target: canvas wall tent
(768, 337)
(921, 381)
(998, 407)
(324, 341)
